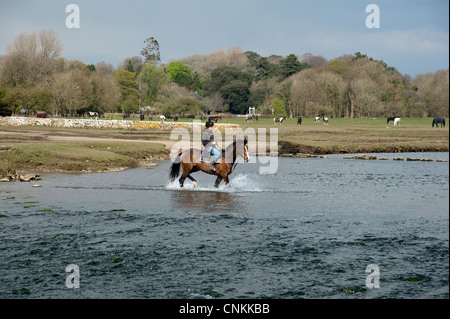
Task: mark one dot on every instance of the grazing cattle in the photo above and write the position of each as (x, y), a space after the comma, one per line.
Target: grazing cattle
(279, 120)
(41, 114)
(299, 121)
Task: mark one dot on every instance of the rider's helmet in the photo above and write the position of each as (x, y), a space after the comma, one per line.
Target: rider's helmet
(209, 124)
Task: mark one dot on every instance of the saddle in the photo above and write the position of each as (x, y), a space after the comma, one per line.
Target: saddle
(206, 156)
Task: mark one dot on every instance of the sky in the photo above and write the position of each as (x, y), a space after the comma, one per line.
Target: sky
(413, 36)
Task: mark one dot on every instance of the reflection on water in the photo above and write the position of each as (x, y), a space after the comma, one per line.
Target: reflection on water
(209, 201)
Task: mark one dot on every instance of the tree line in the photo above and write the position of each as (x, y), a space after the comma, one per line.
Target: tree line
(34, 77)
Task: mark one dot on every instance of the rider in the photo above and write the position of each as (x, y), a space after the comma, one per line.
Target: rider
(210, 144)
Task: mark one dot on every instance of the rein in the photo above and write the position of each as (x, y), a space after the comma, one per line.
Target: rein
(236, 160)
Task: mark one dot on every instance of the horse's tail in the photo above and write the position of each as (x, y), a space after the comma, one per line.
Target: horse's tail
(175, 168)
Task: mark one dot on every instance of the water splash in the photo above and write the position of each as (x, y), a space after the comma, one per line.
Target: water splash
(240, 183)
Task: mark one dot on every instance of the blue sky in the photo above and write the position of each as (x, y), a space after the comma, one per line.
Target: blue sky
(413, 35)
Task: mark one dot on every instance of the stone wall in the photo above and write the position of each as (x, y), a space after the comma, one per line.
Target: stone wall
(115, 124)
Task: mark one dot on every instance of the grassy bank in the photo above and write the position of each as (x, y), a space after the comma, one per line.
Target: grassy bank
(37, 155)
(357, 136)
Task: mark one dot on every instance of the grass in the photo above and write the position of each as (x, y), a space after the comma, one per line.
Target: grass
(76, 157)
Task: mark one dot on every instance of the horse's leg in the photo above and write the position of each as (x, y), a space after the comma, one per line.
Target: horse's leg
(194, 181)
(183, 177)
(226, 179)
(218, 180)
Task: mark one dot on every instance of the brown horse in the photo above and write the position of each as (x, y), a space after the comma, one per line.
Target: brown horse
(190, 162)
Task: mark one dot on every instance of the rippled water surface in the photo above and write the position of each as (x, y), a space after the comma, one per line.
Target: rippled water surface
(308, 231)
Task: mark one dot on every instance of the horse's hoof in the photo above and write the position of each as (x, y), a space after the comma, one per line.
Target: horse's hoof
(194, 184)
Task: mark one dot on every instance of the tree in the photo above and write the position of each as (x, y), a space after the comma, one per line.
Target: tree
(105, 95)
(260, 67)
(214, 102)
(278, 108)
(126, 82)
(130, 106)
(183, 106)
(133, 64)
(151, 51)
(30, 58)
(151, 80)
(233, 85)
(180, 74)
(236, 95)
(291, 65)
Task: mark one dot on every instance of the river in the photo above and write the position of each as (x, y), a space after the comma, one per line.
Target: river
(317, 228)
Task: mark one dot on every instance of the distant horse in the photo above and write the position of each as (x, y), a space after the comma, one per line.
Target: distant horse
(125, 115)
(317, 119)
(163, 118)
(299, 121)
(392, 118)
(279, 120)
(41, 114)
(325, 120)
(191, 162)
(214, 118)
(396, 122)
(92, 114)
(249, 117)
(437, 121)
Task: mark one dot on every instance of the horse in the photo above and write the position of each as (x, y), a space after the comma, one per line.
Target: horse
(190, 161)
(125, 115)
(249, 117)
(325, 120)
(278, 119)
(92, 114)
(392, 118)
(437, 121)
(299, 121)
(396, 122)
(163, 118)
(41, 114)
(317, 119)
(213, 118)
